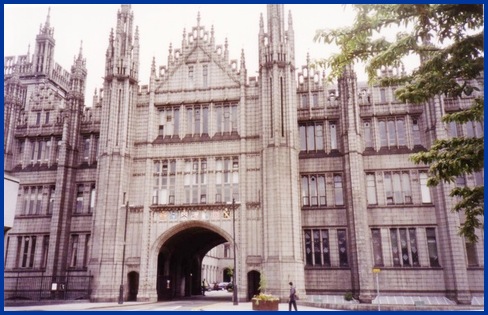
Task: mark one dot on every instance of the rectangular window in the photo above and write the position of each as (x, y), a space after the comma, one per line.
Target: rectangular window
(338, 192)
(453, 132)
(368, 135)
(205, 76)
(313, 190)
(303, 138)
(40, 146)
(74, 250)
(86, 148)
(377, 249)
(305, 195)
(92, 198)
(304, 101)
(404, 247)
(28, 244)
(424, 189)
(38, 119)
(87, 251)
(415, 132)
(432, 247)
(317, 250)
(382, 96)
(190, 72)
(176, 122)
(471, 254)
(45, 250)
(39, 200)
(319, 137)
(342, 246)
(308, 247)
(47, 118)
(333, 136)
(79, 199)
(371, 189)
(383, 135)
(315, 102)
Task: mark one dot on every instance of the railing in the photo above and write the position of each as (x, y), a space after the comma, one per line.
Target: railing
(46, 287)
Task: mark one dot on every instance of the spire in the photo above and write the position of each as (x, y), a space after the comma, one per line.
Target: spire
(46, 25)
(153, 67)
(183, 42)
(80, 54)
(243, 60)
(261, 24)
(198, 19)
(290, 20)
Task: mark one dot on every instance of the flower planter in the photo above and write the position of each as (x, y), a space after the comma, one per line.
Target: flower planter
(263, 305)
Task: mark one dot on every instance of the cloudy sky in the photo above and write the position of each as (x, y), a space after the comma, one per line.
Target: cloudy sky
(160, 25)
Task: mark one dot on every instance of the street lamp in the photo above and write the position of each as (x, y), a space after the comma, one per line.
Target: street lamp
(234, 286)
(121, 290)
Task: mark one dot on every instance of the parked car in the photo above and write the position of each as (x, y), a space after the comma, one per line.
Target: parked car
(223, 285)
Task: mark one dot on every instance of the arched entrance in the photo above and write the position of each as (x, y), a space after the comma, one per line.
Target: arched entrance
(133, 281)
(179, 262)
(253, 279)
(227, 275)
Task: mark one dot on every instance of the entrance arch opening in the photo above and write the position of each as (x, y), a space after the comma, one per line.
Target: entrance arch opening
(179, 265)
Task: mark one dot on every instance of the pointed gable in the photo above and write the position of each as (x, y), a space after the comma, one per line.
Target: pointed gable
(199, 64)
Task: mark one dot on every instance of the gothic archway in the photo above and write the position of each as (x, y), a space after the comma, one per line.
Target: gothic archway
(180, 255)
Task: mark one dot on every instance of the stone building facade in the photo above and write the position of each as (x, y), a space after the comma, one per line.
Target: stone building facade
(312, 181)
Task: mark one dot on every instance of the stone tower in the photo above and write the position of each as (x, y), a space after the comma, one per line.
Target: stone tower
(281, 206)
(120, 91)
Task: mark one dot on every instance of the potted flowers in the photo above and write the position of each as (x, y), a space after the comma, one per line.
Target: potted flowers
(263, 301)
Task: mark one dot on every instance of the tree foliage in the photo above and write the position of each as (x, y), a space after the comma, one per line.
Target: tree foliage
(448, 39)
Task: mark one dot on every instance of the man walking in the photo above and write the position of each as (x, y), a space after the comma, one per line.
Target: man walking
(293, 297)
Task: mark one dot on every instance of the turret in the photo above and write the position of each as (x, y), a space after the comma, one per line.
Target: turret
(44, 52)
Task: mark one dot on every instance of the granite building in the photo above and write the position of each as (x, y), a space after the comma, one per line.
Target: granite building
(314, 180)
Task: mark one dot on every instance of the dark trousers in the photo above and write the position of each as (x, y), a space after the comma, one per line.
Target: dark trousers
(294, 303)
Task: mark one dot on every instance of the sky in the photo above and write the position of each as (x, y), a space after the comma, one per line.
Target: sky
(160, 25)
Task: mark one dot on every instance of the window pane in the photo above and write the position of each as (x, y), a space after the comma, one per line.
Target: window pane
(432, 247)
(377, 250)
(316, 247)
(310, 138)
(321, 189)
(404, 247)
(407, 193)
(313, 191)
(325, 247)
(303, 139)
(368, 139)
(371, 189)
(394, 247)
(319, 140)
(339, 199)
(341, 239)
(397, 189)
(305, 190)
(308, 247)
(401, 131)
(471, 254)
(382, 131)
(333, 137)
(413, 247)
(424, 189)
(388, 188)
(391, 133)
